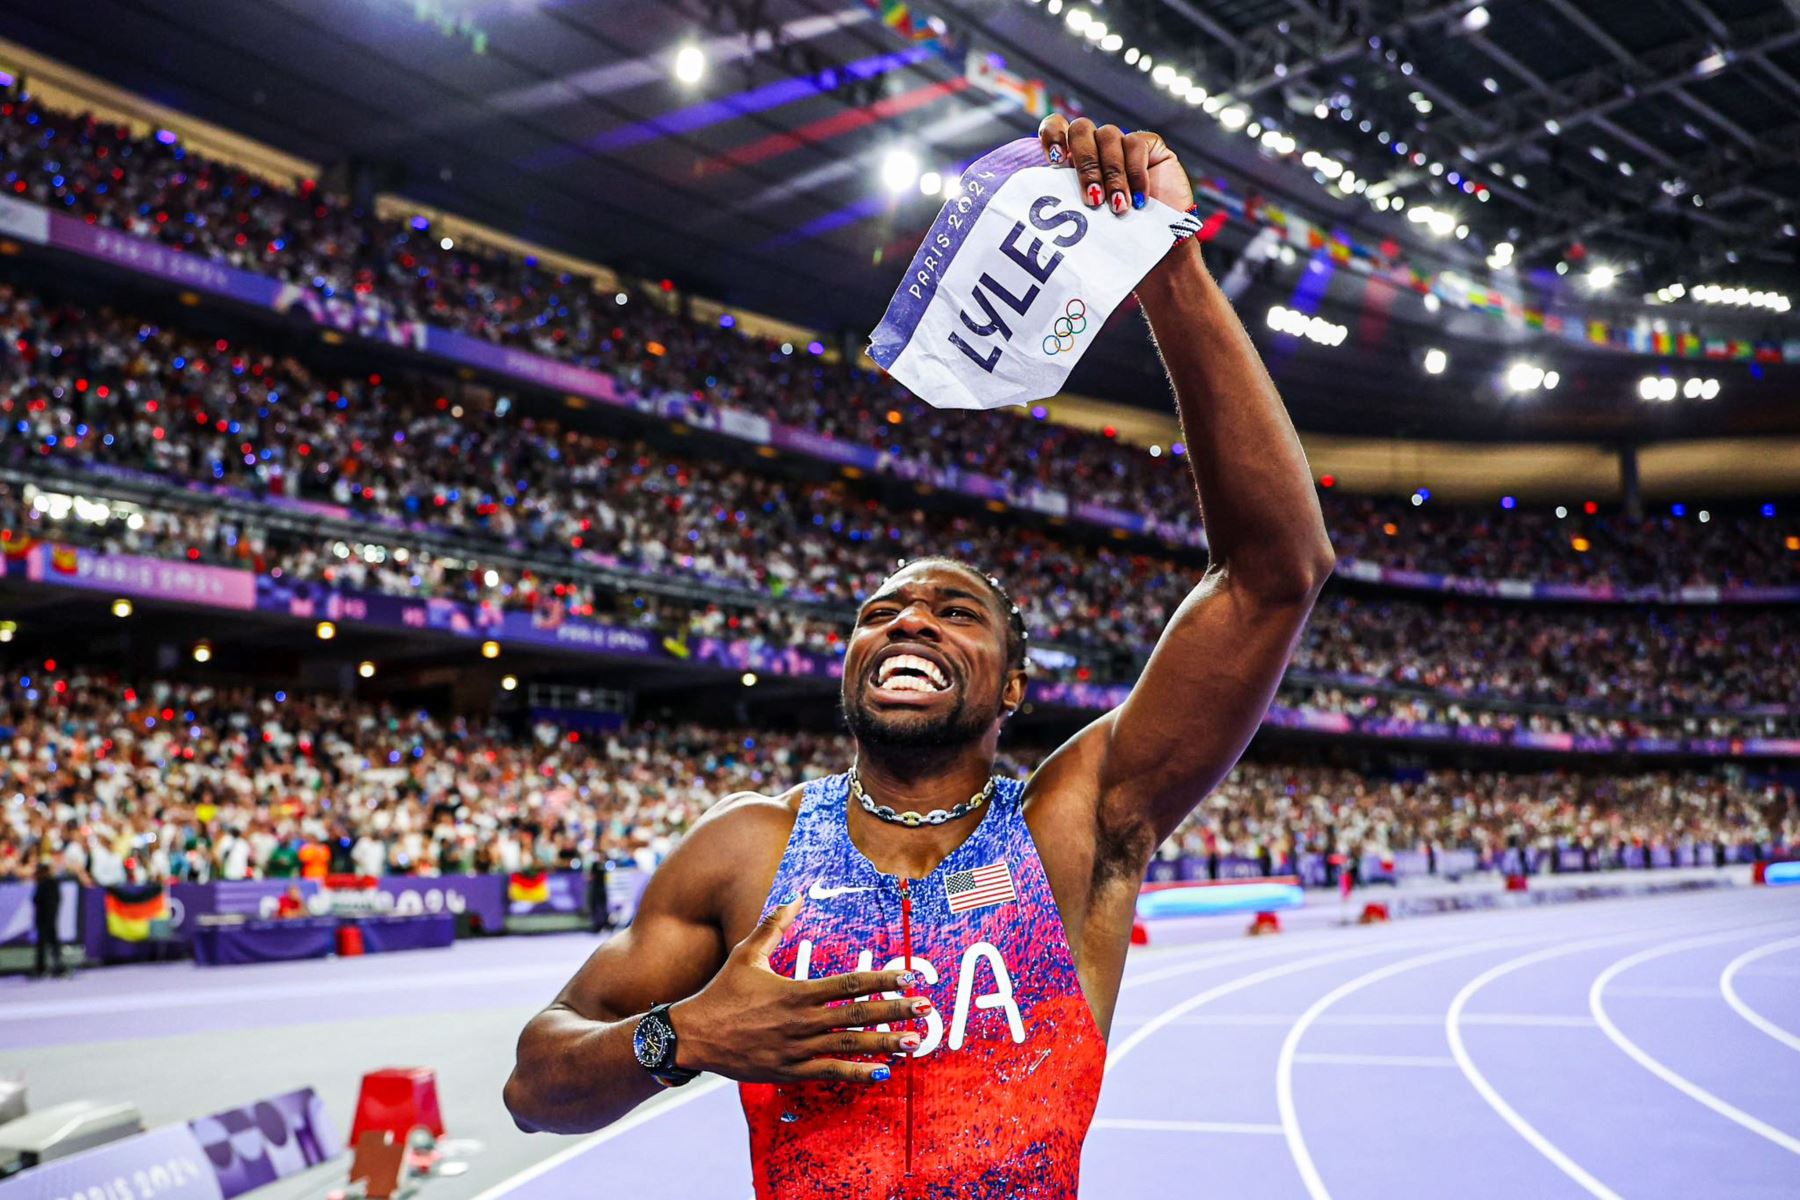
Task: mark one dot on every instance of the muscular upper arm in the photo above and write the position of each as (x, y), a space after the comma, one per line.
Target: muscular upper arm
(1195, 706)
(678, 939)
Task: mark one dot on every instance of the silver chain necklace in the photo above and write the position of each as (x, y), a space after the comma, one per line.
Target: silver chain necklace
(912, 820)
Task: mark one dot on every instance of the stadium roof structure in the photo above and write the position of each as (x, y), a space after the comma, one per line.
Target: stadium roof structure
(776, 164)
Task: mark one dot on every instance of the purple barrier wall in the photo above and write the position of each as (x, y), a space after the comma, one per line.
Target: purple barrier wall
(17, 924)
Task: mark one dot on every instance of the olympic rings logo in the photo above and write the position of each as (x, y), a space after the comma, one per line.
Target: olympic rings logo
(1064, 330)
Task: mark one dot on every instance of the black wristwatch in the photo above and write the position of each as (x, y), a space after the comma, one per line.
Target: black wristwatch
(654, 1044)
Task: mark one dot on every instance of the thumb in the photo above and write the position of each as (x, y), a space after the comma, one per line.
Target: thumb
(769, 931)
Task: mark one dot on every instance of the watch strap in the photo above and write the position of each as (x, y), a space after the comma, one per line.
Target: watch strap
(665, 1071)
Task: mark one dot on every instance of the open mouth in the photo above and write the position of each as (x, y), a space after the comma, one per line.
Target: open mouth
(910, 673)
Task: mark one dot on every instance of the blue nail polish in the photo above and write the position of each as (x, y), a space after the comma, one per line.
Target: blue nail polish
(1055, 154)
(880, 1074)
(1137, 199)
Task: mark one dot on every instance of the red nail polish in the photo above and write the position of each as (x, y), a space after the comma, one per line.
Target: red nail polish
(1118, 203)
(1093, 195)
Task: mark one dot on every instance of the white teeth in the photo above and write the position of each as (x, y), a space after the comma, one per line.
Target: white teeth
(933, 678)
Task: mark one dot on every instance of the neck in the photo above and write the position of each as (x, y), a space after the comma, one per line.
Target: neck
(922, 780)
(908, 781)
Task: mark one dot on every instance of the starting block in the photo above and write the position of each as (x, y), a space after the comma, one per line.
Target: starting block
(1265, 923)
(1373, 914)
(1140, 934)
(397, 1100)
(349, 941)
(1515, 883)
(1759, 872)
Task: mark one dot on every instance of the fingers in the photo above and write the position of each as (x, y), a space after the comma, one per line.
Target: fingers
(873, 1012)
(836, 1070)
(1114, 179)
(853, 984)
(1053, 132)
(848, 1043)
(1084, 156)
(768, 932)
(1137, 166)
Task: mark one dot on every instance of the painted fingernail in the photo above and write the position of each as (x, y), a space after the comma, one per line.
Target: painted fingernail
(1137, 199)
(909, 1041)
(1056, 154)
(880, 1074)
(921, 1006)
(1118, 203)
(909, 979)
(1094, 195)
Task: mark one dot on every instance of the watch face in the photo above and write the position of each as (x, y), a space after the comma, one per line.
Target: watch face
(651, 1042)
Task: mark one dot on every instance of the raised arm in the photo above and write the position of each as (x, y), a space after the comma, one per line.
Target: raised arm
(576, 1070)
(1215, 668)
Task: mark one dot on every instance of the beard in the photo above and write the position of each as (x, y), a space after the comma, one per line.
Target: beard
(959, 725)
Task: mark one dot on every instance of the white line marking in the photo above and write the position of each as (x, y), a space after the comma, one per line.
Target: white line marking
(1668, 993)
(1177, 1011)
(1284, 1065)
(1728, 988)
(284, 991)
(1377, 1060)
(1597, 1006)
(1231, 1127)
(1454, 1021)
(616, 1129)
(1527, 1019)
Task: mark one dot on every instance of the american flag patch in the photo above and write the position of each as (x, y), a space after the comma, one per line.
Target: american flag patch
(979, 888)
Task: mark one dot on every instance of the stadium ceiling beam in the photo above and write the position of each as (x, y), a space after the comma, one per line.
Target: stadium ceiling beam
(1725, 173)
(1328, 32)
(1595, 93)
(1553, 101)
(1606, 42)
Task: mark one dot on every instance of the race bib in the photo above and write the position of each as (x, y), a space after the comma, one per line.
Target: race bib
(1013, 282)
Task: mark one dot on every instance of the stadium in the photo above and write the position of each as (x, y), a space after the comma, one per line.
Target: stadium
(546, 541)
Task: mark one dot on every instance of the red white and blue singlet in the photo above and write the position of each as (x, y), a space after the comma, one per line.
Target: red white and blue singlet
(1004, 1082)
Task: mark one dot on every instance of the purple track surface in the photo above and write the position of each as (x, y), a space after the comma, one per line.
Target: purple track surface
(1643, 1048)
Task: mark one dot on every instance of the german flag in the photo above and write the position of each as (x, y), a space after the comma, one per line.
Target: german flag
(528, 887)
(129, 911)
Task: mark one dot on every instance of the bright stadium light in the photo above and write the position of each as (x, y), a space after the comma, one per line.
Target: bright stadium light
(1436, 361)
(931, 183)
(1524, 377)
(690, 64)
(366, 669)
(899, 170)
(1601, 277)
(509, 683)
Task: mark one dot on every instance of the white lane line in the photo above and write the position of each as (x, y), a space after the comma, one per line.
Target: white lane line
(1228, 1127)
(1526, 1019)
(1454, 1020)
(1728, 988)
(616, 1129)
(1667, 993)
(1377, 1060)
(1284, 1065)
(1177, 1011)
(284, 991)
(1681, 1083)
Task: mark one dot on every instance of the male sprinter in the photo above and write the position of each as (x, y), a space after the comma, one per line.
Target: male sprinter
(926, 1016)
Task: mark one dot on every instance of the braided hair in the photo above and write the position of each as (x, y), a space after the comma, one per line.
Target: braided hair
(1016, 633)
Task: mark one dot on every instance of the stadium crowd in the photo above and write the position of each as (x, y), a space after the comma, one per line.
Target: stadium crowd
(176, 780)
(403, 270)
(1680, 673)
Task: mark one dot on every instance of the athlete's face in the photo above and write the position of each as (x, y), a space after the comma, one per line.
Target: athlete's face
(926, 664)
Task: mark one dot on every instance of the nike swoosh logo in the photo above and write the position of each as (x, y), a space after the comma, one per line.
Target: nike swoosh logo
(831, 893)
